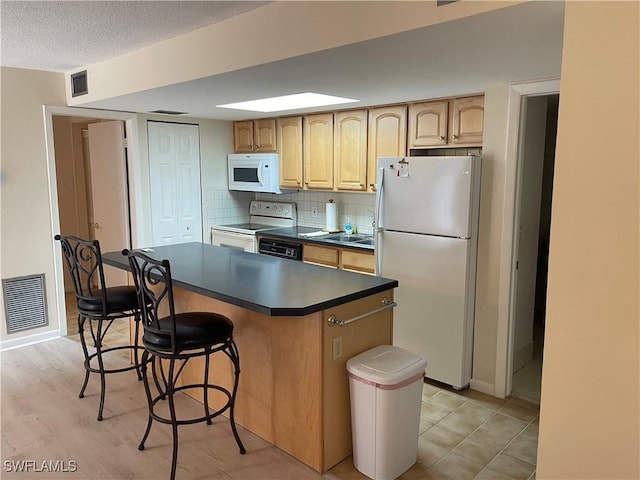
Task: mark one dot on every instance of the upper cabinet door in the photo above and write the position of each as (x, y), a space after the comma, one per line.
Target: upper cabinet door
(350, 150)
(243, 136)
(318, 150)
(428, 124)
(264, 135)
(255, 136)
(387, 138)
(467, 121)
(290, 142)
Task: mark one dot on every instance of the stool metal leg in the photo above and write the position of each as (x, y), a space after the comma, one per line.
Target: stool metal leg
(204, 385)
(81, 320)
(145, 380)
(135, 345)
(103, 385)
(174, 419)
(235, 358)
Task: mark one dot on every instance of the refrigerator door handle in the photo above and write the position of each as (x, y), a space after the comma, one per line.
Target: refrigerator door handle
(377, 223)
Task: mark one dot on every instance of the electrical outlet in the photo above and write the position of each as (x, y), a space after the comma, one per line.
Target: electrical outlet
(337, 347)
(314, 211)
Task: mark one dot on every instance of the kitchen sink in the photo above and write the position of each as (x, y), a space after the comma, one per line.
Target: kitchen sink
(344, 238)
(366, 241)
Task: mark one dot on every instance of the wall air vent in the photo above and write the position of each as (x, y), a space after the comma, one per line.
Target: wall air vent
(25, 302)
(79, 84)
(168, 112)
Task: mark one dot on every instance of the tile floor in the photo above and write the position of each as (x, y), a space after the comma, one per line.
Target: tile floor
(464, 435)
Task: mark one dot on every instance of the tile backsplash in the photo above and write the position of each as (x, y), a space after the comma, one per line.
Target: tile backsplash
(222, 207)
(357, 208)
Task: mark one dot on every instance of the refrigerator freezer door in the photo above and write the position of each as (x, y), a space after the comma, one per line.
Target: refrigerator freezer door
(434, 316)
(430, 195)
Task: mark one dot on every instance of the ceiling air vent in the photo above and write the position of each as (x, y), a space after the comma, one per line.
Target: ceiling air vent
(440, 3)
(79, 84)
(25, 302)
(167, 112)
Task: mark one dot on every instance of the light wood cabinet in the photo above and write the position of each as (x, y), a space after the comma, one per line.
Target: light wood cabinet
(428, 124)
(350, 150)
(466, 121)
(290, 147)
(357, 261)
(354, 260)
(446, 123)
(251, 136)
(325, 256)
(387, 137)
(318, 151)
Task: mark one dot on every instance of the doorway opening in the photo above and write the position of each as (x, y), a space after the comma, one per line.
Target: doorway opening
(539, 120)
(68, 194)
(91, 177)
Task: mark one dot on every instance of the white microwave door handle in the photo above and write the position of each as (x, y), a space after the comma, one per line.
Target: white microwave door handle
(261, 166)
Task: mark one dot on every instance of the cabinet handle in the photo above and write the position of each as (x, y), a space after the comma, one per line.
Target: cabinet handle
(455, 137)
(441, 137)
(373, 186)
(298, 182)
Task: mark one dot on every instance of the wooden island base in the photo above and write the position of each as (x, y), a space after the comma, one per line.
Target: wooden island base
(292, 392)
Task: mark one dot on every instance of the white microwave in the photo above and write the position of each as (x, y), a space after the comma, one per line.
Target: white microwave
(254, 172)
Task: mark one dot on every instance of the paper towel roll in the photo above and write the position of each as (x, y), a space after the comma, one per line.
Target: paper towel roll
(332, 217)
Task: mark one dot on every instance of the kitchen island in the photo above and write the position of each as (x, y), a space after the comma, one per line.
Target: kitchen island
(294, 389)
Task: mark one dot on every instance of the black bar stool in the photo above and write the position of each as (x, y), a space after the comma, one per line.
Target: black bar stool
(101, 305)
(170, 337)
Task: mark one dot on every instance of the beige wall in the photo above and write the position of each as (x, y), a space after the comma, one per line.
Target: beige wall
(274, 32)
(26, 236)
(589, 420)
(490, 235)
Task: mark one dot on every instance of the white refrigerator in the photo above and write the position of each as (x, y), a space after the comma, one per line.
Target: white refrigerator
(426, 236)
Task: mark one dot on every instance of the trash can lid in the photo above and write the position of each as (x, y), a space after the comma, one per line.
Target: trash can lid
(386, 365)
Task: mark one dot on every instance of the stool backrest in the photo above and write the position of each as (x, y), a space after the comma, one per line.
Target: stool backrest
(155, 293)
(84, 262)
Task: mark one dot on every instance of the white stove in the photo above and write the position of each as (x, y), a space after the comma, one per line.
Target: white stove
(263, 216)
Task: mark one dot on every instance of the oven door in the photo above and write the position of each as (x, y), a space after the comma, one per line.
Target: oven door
(239, 241)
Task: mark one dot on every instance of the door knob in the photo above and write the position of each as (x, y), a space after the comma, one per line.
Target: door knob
(95, 225)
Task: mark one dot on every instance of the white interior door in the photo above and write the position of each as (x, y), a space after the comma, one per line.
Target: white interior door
(174, 169)
(109, 191)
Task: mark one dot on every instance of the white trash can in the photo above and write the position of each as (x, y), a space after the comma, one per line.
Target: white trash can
(386, 393)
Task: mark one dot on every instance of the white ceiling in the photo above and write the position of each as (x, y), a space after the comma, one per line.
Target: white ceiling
(513, 44)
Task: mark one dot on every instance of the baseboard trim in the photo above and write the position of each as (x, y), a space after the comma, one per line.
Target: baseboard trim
(29, 340)
(482, 387)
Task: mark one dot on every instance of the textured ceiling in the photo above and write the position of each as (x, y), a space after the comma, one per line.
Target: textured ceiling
(63, 35)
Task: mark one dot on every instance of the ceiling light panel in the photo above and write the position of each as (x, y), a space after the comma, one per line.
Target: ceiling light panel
(288, 102)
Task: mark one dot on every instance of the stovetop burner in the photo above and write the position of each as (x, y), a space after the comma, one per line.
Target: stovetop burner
(254, 227)
(263, 216)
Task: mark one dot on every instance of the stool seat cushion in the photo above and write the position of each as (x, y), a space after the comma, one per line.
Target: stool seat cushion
(193, 330)
(119, 299)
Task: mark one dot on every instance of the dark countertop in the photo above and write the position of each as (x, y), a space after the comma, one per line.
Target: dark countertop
(293, 233)
(269, 285)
